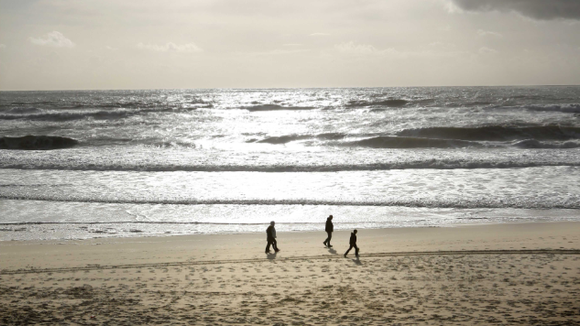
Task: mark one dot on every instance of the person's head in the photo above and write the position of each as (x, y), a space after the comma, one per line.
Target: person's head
(272, 223)
(330, 217)
(355, 231)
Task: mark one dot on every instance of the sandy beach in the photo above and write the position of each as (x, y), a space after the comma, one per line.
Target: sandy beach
(508, 274)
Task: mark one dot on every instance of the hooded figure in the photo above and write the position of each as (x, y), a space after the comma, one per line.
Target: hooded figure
(352, 243)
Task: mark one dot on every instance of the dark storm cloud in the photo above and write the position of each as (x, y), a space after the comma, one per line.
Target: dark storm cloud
(537, 9)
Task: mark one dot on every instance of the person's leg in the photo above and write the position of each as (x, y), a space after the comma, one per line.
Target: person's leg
(275, 245)
(328, 239)
(355, 250)
(268, 246)
(346, 253)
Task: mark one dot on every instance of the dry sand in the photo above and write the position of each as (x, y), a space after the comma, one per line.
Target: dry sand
(511, 274)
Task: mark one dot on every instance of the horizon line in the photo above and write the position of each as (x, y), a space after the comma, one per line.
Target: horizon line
(313, 87)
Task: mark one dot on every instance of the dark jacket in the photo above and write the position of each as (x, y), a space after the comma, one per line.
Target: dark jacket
(329, 226)
(271, 233)
(352, 239)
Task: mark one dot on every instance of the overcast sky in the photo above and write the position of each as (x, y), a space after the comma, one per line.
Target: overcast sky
(143, 44)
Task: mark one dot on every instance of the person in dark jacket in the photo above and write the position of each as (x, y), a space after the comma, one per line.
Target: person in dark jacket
(329, 229)
(352, 242)
(271, 238)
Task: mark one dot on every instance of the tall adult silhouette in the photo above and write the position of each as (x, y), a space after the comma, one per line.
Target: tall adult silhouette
(329, 228)
(271, 238)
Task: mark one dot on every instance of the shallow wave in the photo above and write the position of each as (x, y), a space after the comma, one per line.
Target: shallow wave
(71, 115)
(416, 203)
(282, 139)
(564, 108)
(36, 142)
(275, 107)
(410, 142)
(497, 133)
(289, 138)
(532, 143)
(395, 103)
(22, 110)
(67, 116)
(174, 144)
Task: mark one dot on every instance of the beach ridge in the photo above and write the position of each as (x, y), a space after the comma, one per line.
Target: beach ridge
(292, 259)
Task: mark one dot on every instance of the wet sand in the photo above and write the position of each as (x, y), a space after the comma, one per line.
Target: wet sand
(516, 274)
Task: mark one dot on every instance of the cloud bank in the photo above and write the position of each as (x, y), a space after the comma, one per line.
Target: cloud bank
(54, 39)
(537, 9)
(170, 47)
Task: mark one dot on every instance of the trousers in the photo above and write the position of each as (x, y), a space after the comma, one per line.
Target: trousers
(355, 250)
(273, 243)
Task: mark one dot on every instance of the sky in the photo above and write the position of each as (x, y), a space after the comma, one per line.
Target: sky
(151, 44)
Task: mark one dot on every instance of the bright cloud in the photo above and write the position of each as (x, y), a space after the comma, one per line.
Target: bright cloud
(353, 48)
(55, 39)
(171, 47)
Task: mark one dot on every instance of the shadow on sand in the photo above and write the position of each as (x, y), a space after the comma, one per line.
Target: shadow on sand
(271, 256)
(332, 251)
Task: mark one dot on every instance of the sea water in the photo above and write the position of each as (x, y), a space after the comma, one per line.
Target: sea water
(166, 162)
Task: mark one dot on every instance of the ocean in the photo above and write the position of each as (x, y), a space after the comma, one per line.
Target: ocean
(125, 163)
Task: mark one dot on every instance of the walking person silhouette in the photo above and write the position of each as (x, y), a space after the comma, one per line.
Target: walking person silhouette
(271, 238)
(352, 243)
(329, 228)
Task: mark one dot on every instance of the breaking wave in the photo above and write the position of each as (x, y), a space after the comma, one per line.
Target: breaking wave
(497, 133)
(417, 203)
(410, 142)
